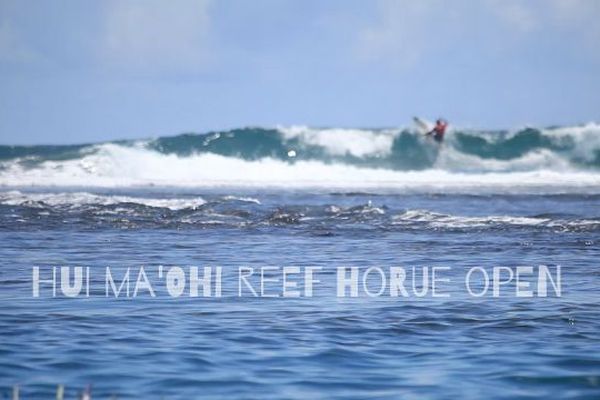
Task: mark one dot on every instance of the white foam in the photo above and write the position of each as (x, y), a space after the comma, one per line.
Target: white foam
(242, 199)
(339, 142)
(115, 165)
(452, 160)
(457, 221)
(585, 138)
(444, 221)
(77, 199)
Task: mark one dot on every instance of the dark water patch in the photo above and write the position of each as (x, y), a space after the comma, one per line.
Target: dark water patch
(320, 347)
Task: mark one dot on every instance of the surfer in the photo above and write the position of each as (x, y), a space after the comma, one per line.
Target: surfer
(438, 130)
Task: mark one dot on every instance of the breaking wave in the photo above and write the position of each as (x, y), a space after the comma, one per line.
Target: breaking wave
(301, 156)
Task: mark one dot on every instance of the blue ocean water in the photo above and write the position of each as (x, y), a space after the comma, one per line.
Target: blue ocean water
(341, 205)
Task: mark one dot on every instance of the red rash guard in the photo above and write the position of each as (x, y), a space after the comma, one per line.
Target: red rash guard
(439, 130)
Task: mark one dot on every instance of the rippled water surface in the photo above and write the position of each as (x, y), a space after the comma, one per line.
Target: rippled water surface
(319, 347)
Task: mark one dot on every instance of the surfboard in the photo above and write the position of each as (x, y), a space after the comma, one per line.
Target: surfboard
(422, 126)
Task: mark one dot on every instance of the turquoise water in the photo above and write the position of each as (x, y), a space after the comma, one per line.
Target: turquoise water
(407, 149)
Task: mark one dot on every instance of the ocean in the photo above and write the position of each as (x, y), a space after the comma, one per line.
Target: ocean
(459, 221)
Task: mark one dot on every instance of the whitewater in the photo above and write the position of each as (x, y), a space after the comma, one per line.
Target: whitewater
(563, 159)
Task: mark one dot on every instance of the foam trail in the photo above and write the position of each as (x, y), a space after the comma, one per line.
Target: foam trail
(446, 221)
(78, 199)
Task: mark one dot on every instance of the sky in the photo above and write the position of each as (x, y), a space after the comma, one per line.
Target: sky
(80, 71)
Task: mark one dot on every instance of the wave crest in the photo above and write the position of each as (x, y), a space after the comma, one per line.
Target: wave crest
(301, 156)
